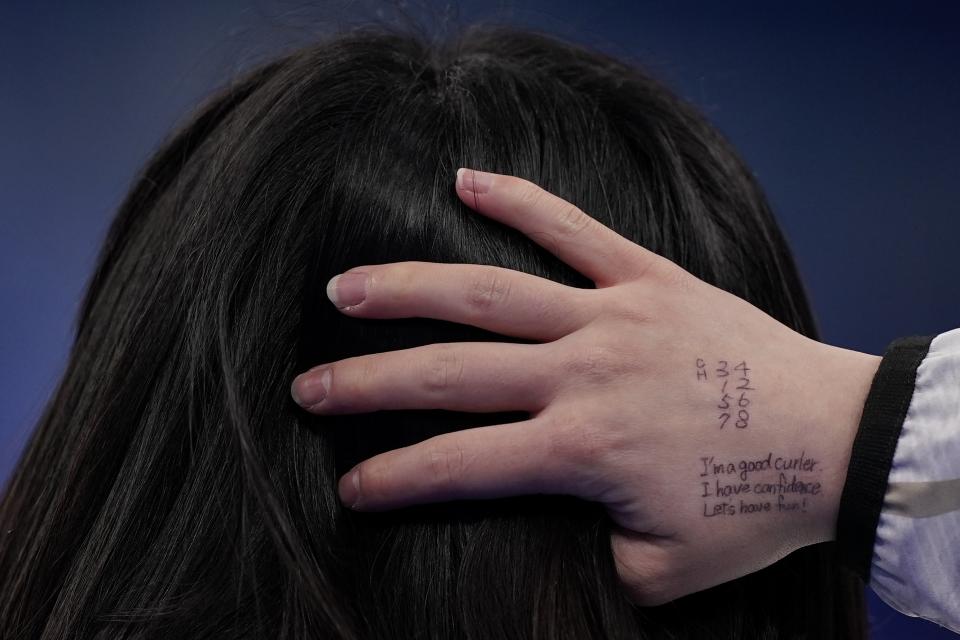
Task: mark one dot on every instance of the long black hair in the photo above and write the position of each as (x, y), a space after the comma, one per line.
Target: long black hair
(174, 489)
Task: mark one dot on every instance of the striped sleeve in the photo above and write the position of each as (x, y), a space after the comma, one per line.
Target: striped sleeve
(899, 520)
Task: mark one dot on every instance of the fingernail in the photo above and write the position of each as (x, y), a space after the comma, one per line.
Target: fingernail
(311, 388)
(347, 289)
(474, 181)
(350, 488)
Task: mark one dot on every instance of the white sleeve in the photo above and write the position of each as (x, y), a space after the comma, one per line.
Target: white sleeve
(915, 564)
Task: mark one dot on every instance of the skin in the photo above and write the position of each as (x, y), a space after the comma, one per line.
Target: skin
(618, 411)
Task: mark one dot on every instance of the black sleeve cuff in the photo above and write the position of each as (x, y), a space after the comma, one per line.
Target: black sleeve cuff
(873, 449)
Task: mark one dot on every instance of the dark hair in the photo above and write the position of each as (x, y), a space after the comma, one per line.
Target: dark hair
(174, 489)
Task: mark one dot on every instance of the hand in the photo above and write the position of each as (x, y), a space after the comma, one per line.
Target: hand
(717, 438)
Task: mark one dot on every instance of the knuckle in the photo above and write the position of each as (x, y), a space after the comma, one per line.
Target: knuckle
(394, 281)
(528, 193)
(676, 277)
(373, 483)
(596, 363)
(367, 373)
(353, 380)
(580, 443)
(487, 292)
(572, 221)
(622, 306)
(443, 369)
(445, 465)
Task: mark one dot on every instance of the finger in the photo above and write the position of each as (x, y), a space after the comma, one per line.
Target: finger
(493, 298)
(595, 250)
(483, 462)
(457, 376)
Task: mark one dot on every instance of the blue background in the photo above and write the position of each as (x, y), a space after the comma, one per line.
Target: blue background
(848, 117)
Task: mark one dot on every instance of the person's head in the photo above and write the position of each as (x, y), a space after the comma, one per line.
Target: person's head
(174, 489)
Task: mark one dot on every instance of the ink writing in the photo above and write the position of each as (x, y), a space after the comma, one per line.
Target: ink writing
(771, 483)
(734, 386)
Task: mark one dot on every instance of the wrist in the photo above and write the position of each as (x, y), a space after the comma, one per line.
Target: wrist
(843, 388)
